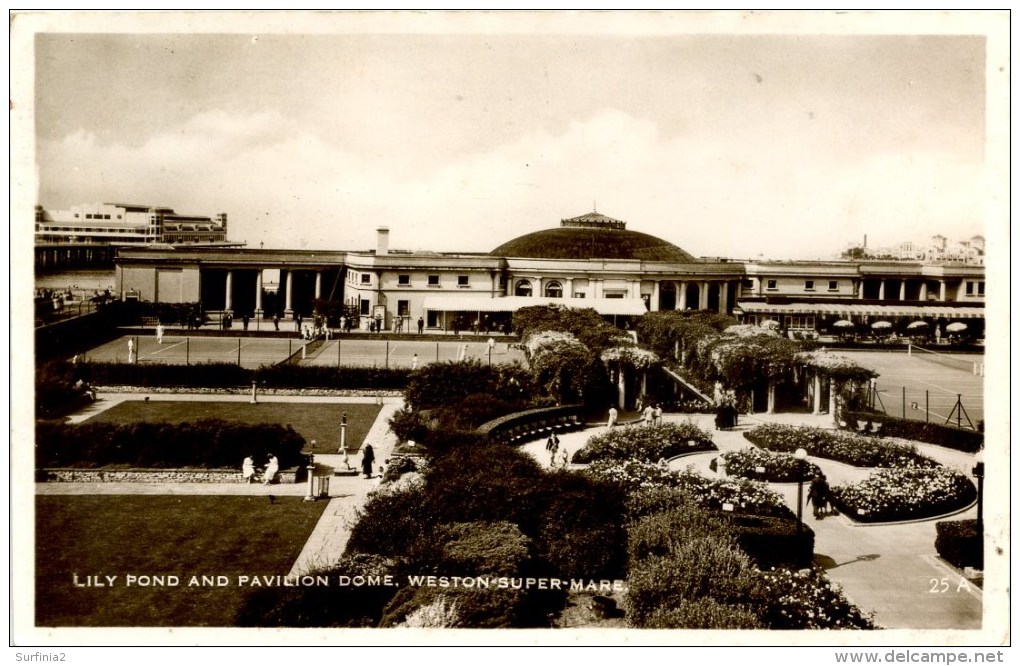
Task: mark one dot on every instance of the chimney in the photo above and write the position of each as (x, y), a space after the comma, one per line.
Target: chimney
(865, 246)
(383, 242)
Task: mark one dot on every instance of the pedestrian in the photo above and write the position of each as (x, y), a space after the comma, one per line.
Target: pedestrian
(564, 458)
(414, 362)
(271, 469)
(297, 322)
(367, 458)
(649, 414)
(276, 322)
(657, 415)
(131, 350)
(491, 343)
(612, 417)
(552, 445)
(343, 323)
(248, 469)
(463, 352)
(159, 332)
(244, 321)
(818, 494)
(421, 325)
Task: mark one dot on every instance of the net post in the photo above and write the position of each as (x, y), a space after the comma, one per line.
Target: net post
(904, 402)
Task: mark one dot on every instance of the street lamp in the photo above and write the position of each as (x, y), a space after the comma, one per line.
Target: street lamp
(801, 456)
(979, 474)
(343, 434)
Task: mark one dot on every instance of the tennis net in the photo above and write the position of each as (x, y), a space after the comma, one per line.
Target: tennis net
(965, 362)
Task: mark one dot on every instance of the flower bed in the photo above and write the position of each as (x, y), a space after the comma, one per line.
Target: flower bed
(736, 495)
(645, 443)
(759, 465)
(805, 599)
(837, 445)
(904, 494)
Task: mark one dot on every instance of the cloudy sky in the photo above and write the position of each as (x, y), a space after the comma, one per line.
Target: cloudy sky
(459, 135)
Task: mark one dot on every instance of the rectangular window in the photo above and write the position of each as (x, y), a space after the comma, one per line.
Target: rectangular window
(404, 308)
(404, 280)
(833, 285)
(809, 285)
(366, 279)
(433, 280)
(970, 288)
(578, 294)
(364, 306)
(749, 283)
(770, 284)
(462, 281)
(981, 288)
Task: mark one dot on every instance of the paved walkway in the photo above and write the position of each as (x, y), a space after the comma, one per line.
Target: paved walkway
(892, 569)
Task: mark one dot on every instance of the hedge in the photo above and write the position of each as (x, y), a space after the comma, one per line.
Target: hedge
(208, 443)
(960, 543)
(231, 375)
(931, 433)
(773, 542)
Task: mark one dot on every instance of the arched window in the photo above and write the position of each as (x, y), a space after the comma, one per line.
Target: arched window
(523, 288)
(553, 290)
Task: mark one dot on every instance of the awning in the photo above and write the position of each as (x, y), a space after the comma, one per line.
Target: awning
(861, 310)
(468, 303)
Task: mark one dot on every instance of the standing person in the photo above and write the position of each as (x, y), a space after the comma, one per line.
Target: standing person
(491, 343)
(276, 322)
(367, 458)
(343, 323)
(297, 322)
(612, 417)
(248, 469)
(271, 469)
(657, 414)
(564, 458)
(552, 445)
(159, 332)
(244, 321)
(131, 350)
(421, 325)
(414, 362)
(818, 494)
(649, 414)
(463, 352)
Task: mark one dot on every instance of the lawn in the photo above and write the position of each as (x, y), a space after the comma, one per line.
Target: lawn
(313, 421)
(184, 536)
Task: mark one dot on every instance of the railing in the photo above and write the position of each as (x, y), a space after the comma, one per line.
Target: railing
(521, 427)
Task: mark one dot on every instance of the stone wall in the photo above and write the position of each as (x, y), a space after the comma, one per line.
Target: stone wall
(71, 475)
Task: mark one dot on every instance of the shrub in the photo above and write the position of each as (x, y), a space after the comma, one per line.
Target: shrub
(56, 390)
(836, 445)
(323, 606)
(904, 494)
(933, 433)
(490, 608)
(389, 523)
(475, 549)
(773, 542)
(398, 466)
(440, 614)
(645, 443)
(449, 383)
(803, 599)
(960, 543)
(705, 613)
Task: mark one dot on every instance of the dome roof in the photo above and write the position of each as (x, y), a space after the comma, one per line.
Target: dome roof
(592, 236)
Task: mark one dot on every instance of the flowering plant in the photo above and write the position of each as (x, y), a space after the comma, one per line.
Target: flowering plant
(837, 445)
(754, 463)
(645, 443)
(631, 355)
(904, 493)
(805, 599)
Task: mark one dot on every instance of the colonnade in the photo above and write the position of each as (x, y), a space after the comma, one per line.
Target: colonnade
(922, 292)
(286, 278)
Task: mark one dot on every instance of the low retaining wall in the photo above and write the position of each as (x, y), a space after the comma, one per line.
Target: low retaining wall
(74, 475)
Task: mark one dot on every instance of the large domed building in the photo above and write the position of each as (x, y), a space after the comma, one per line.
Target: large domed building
(592, 236)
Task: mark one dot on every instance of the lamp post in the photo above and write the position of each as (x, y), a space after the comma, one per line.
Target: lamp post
(979, 474)
(801, 456)
(343, 434)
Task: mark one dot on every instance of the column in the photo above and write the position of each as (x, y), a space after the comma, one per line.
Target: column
(596, 287)
(923, 296)
(681, 300)
(568, 287)
(654, 305)
(288, 304)
(860, 289)
(724, 295)
(702, 295)
(621, 388)
(942, 290)
(818, 394)
(228, 300)
(318, 284)
(258, 292)
(881, 289)
(903, 289)
(833, 389)
(772, 398)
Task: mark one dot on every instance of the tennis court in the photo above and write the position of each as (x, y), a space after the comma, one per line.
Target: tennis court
(924, 383)
(401, 353)
(249, 352)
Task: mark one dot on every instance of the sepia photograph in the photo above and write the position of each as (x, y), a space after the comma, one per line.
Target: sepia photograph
(524, 328)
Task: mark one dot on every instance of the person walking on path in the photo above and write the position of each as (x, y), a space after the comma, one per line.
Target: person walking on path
(276, 322)
(657, 414)
(271, 469)
(612, 417)
(414, 362)
(649, 414)
(421, 325)
(564, 458)
(248, 469)
(552, 445)
(159, 333)
(818, 494)
(367, 458)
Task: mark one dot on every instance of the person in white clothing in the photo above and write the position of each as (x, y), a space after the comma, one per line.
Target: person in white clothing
(159, 333)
